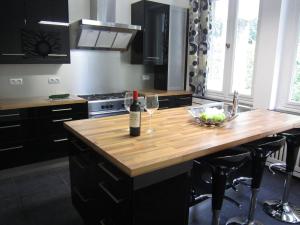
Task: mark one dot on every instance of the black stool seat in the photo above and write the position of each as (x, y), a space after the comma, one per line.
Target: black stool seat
(282, 210)
(222, 164)
(261, 150)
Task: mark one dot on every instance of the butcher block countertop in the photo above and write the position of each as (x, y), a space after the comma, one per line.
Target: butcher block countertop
(21, 103)
(163, 93)
(177, 138)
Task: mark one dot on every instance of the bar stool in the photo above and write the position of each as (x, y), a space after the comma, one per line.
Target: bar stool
(261, 150)
(282, 210)
(222, 164)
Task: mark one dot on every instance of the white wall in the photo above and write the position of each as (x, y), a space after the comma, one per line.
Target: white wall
(89, 71)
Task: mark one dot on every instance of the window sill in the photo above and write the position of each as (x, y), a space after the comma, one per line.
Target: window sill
(288, 110)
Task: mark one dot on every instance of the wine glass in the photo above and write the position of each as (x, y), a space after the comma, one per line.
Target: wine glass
(128, 100)
(151, 105)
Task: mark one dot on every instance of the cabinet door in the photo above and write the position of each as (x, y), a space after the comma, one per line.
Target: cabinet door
(12, 19)
(156, 33)
(46, 10)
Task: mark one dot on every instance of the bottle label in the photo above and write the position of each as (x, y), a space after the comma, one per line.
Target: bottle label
(135, 119)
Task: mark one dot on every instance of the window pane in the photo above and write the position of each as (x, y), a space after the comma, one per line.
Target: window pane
(245, 43)
(295, 88)
(216, 56)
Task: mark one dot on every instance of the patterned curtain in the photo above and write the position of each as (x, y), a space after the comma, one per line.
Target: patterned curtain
(199, 32)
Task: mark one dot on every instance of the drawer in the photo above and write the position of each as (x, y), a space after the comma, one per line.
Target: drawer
(54, 147)
(13, 154)
(90, 211)
(165, 102)
(64, 110)
(16, 130)
(14, 115)
(55, 124)
(183, 100)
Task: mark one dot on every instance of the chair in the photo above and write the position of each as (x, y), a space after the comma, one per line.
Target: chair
(222, 165)
(282, 210)
(261, 150)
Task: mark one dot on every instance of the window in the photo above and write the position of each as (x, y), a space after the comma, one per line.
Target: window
(233, 43)
(295, 85)
(216, 58)
(288, 91)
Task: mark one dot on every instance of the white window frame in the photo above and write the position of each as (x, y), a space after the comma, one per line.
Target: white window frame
(227, 94)
(288, 64)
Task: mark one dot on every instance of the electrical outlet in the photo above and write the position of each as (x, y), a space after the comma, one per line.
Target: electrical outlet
(16, 81)
(146, 77)
(53, 80)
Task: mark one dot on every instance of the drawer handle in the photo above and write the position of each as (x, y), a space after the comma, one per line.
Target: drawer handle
(163, 100)
(13, 54)
(185, 98)
(60, 140)
(61, 120)
(57, 55)
(108, 172)
(12, 126)
(152, 57)
(115, 199)
(78, 146)
(78, 163)
(11, 148)
(61, 110)
(10, 115)
(83, 199)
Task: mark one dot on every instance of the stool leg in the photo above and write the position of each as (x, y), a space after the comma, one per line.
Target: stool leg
(283, 210)
(250, 220)
(218, 191)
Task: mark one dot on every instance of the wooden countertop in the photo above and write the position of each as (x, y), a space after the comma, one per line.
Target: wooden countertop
(163, 93)
(177, 138)
(20, 103)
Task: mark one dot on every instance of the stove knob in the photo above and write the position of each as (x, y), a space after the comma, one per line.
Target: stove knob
(111, 106)
(102, 106)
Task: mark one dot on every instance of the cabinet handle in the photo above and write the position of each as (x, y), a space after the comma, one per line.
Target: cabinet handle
(163, 100)
(78, 146)
(109, 173)
(13, 54)
(12, 126)
(11, 148)
(60, 140)
(102, 222)
(152, 57)
(61, 120)
(78, 163)
(57, 55)
(61, 110)
(83, 199)
(10, 115)
(185, 98)
(114, 198)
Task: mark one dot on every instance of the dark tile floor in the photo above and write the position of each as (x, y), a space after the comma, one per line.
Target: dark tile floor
(43, 198)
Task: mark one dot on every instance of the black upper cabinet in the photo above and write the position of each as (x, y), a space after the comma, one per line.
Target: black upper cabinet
(24, 41)
(151, 44)
(46, 10)
(12, 17)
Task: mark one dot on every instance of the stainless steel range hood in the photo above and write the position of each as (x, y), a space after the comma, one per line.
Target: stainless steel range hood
(101, 32)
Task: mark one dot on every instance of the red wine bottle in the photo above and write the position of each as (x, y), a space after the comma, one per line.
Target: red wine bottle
(135, 116)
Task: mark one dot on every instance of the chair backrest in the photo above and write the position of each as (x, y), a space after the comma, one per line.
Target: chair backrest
(292, 136)
(268, 145)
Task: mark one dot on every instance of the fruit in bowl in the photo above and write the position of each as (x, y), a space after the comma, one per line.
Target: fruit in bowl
(212, 116)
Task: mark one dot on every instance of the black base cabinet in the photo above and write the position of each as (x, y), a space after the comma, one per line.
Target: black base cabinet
(167, 102)
(36, 134)
(102, 194)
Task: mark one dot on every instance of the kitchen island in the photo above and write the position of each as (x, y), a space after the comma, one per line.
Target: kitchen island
(120, 180)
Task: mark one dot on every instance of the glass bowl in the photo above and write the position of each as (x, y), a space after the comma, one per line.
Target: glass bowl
(211, 109)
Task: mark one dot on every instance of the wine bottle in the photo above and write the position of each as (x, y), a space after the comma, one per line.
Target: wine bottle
(135, 116)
